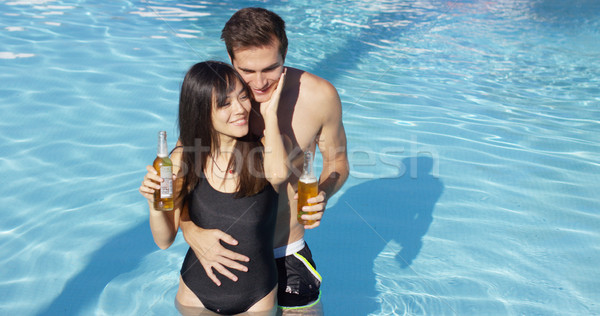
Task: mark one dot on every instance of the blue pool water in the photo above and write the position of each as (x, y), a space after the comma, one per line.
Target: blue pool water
(472, 131)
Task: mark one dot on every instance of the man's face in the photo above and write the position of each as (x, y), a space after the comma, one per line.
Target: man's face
(261, 68)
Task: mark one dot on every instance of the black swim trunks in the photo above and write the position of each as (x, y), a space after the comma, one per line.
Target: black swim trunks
(299, 281)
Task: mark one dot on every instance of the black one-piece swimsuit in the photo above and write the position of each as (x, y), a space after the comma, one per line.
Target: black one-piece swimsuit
(251, 221)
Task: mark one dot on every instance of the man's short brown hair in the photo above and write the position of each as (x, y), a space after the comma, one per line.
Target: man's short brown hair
(254, 27)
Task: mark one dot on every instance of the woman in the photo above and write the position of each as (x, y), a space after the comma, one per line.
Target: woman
(226, 179)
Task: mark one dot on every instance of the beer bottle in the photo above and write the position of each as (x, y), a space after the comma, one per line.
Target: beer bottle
(163, 198)
(307, 187)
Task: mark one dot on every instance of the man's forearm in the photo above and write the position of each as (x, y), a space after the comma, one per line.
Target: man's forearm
(187, 226)
(332, 179)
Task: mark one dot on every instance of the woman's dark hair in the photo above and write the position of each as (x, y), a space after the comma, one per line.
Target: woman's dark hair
(254, 27)
(205, 84)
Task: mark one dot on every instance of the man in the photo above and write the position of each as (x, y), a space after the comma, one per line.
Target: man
(310, 115)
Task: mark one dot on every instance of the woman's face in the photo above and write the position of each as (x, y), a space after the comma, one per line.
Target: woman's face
(231, 120)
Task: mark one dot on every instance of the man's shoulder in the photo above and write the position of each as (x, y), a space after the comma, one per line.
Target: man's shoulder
(313, 87)
(310, 80)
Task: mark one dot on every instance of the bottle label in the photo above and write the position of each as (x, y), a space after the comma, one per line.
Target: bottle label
(166, 187)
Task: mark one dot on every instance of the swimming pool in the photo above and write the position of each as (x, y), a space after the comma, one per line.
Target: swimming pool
(472, 130)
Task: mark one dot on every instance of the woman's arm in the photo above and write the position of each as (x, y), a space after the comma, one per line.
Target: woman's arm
(275, 157)
(164, 224)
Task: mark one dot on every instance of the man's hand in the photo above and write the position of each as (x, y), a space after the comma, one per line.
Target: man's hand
(319, 208)
(211, 254)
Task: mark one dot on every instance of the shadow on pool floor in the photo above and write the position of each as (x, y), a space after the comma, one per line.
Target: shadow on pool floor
(121, 254)
(365, 218)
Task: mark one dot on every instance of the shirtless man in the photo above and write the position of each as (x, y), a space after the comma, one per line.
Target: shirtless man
(310, 115)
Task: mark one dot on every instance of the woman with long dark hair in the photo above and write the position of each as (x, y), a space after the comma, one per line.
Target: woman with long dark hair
(226, 179)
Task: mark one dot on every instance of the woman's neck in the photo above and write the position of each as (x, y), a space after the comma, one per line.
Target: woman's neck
(219, 168)
(226, 147)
